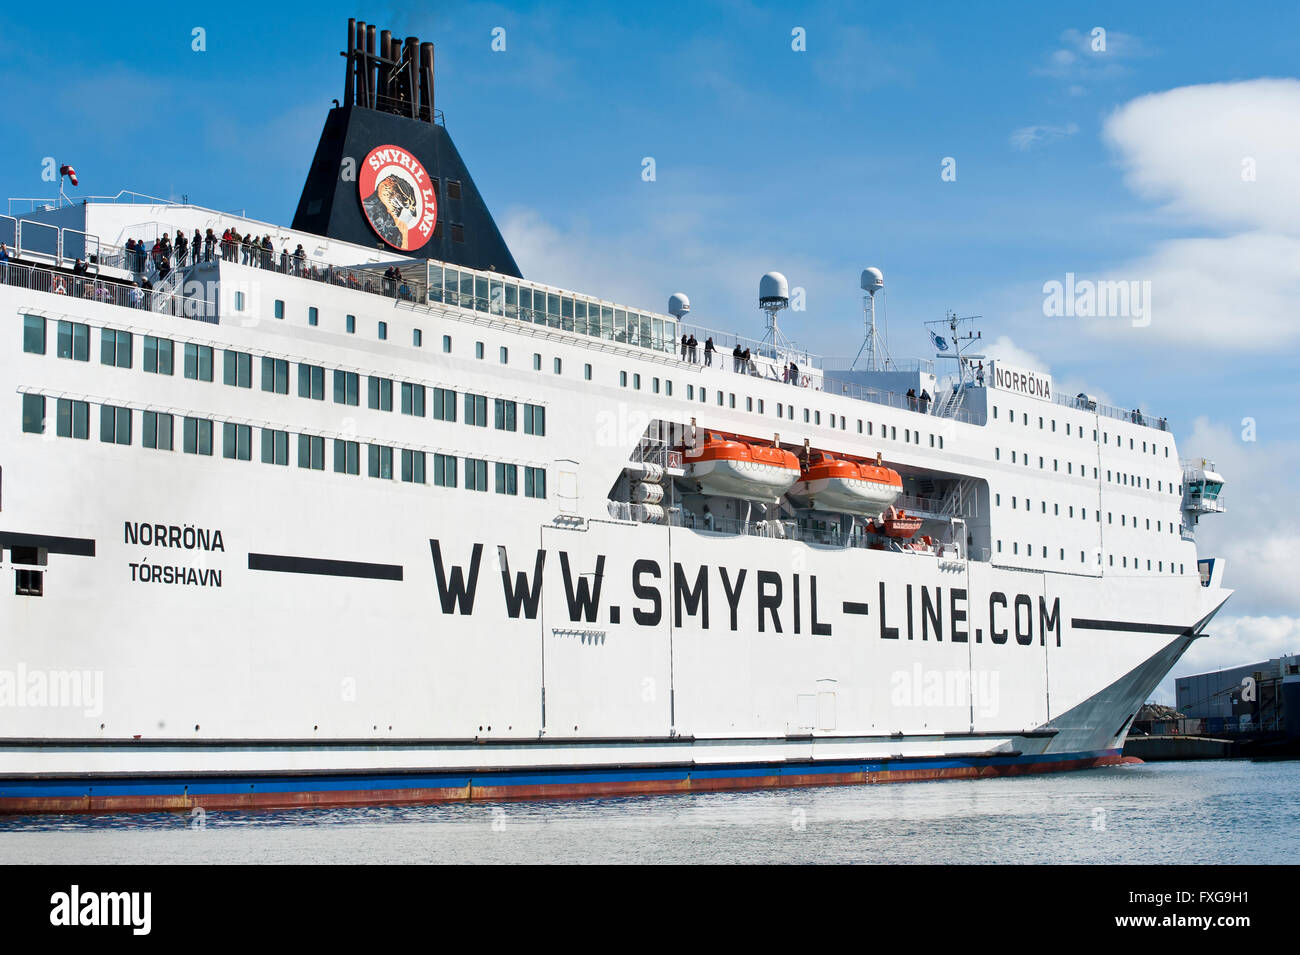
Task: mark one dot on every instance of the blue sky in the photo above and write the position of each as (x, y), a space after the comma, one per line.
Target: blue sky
(817, 163)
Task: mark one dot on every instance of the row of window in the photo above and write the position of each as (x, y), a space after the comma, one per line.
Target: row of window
(1125, 520)
(1071, 430)
(72, 420)
(237, 371)
(1123, 478)
(1157, 566)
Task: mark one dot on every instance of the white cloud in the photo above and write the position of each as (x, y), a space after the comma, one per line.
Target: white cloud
(665, 253)
(1187, 148)
(1027, 137)
(1081, 57)
(1237, 293)
(1259, 534)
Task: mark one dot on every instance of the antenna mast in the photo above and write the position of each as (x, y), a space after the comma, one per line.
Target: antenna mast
(874, 345)
(774, 295)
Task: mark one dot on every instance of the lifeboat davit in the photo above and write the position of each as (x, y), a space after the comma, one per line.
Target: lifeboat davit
(731, 468)
(829, 483)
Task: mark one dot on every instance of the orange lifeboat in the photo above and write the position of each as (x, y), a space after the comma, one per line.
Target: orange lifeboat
(898, 523)
(836, 484)
(733, 468)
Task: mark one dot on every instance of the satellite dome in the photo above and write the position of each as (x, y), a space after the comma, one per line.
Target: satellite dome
(872, 280)
(773, 290)
(678, 304)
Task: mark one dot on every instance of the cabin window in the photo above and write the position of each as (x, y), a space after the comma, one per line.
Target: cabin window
(444, 470)
(476, 410)
(475, 474)
(379, 393)
(347, 457)
(417, 338)
(159, 355)
(383, 331)
(311, 382)
(72, 419)
(507, 478)
(115, 425)
(237, 441)
(197, 436)
(444, 404)
(34, 335)
(586, 374)
(311, 452)
(158, 430)
(534, 419)
(350, 324)
(275, 447)
(534, 482)
(412, 466)
(34, 413)
(237, 369)
(413, 399)
(347, 387)
(275, 374)
(505, 414)
(74, 341)
(380, 461)
(313, 315)
(114, 348)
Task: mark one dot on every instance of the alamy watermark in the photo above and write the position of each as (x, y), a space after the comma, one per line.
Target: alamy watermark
(71, 689)
(1088, 298)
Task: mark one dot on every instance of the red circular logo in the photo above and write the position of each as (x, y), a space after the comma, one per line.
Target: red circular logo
(398, 198)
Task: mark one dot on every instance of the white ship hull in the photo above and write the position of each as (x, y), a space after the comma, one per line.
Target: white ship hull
(224, 632)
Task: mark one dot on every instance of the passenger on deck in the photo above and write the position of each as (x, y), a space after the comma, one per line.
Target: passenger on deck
(692, 344)
(925, 401)
(911, 399)
(196, 247)
(708, 518)
(794, 374)
(685, 345)
(182, 249)
(748, 362)
(979, 374)
(708, 352)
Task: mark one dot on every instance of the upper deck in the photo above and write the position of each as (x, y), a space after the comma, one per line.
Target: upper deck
(46, 236)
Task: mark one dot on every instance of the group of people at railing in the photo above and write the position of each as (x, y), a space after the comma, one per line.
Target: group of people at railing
(167, 254)
(81, 283)
(742, 361)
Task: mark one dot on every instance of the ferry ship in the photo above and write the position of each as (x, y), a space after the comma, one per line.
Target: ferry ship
(352, 512)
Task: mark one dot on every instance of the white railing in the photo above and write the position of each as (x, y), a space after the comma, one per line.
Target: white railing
(1135, 416)
(106, 291)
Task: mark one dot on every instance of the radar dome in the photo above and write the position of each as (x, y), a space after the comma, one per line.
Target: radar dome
(872, 280)
(773, 290)
(678, 304)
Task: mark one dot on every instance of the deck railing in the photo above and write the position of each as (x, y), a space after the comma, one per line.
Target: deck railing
(107, 291)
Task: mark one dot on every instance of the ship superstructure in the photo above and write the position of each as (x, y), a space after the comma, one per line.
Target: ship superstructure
(304, 520)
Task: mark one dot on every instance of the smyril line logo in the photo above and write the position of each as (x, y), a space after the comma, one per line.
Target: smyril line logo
(74, 907)
(397, 197)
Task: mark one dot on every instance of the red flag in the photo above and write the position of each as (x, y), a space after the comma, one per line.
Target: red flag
(69, 172)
